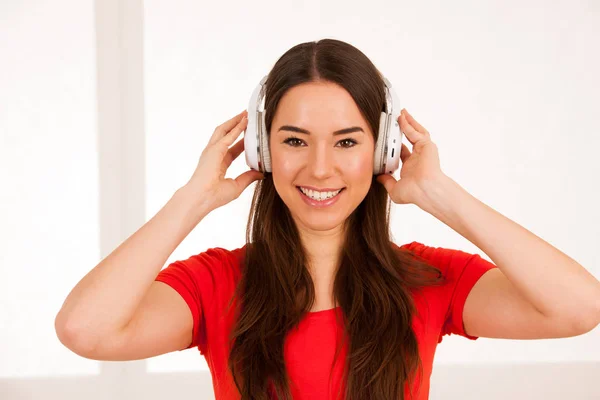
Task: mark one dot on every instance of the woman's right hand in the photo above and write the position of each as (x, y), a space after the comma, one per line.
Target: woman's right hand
(209, 178)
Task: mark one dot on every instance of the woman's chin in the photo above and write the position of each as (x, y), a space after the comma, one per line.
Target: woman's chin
(320, 223)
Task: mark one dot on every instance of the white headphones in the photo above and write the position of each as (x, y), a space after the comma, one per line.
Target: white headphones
(387, 148)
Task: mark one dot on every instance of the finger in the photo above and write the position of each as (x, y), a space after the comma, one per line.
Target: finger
(234, 151)
(225, 127)
(415, 124)
(411, 134)
(245, 179)
(387, 180)
(233, 134)
(404, 153)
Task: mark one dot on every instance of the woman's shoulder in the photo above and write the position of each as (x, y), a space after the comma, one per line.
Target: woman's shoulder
(438, 257)
(233, 254)
(448, 260)
(409, 246)
(213, 260)
(224, 258)
(414, 247)
(425, 251)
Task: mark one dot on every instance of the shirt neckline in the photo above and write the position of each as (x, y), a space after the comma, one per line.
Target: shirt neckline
(322, 313)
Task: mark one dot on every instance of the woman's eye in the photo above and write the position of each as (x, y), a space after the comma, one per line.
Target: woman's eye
(292, 140)
(351, 141)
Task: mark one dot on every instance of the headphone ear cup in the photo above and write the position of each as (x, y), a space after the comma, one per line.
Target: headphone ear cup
(250, 141)
(380, 145)
(394, 146)
(264, 144)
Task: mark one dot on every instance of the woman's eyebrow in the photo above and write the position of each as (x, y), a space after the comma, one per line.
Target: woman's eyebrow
(344, 131)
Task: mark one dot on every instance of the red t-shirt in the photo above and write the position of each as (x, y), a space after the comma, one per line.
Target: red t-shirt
(207, 281)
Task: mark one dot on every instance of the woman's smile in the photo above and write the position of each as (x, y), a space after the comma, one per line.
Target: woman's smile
(319, 199)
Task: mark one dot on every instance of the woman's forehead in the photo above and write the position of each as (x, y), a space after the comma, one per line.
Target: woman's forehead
(320, 107)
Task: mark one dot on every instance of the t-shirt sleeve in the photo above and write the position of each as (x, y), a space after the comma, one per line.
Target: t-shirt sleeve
(461, 270)
(195, 280)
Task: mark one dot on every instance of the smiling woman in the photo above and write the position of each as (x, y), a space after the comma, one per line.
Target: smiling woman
(319, 240)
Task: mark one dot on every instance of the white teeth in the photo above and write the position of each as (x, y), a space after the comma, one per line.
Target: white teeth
(319, 196)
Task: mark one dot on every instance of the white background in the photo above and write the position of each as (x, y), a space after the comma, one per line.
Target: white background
(105, 108)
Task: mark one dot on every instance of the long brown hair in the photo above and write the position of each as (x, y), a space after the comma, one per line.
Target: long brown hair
(374, 277)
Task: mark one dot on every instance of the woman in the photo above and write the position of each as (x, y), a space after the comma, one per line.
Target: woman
(320, 303)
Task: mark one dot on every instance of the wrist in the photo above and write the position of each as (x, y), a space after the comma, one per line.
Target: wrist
(437, 195)
(195, 199)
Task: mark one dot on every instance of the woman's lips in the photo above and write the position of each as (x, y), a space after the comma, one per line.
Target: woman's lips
(320, 203)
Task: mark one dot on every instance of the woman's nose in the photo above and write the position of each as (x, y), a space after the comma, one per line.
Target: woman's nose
(321, 161)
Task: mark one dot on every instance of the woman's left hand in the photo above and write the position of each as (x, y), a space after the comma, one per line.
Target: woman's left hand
(420, 169)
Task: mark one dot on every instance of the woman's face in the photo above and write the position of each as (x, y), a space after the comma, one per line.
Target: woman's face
(319, 140)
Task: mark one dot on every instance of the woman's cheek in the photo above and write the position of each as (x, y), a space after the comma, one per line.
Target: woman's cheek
(359, 164)
(288, 164)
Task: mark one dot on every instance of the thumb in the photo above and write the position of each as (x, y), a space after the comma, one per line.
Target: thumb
(388, 181)
(245, 179)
